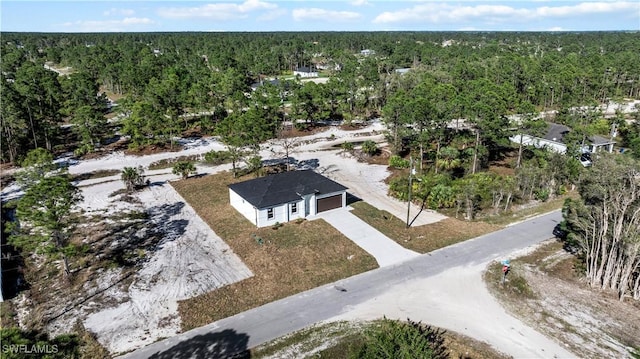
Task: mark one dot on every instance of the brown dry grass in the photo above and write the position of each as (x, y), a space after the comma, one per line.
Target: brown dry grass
(425, 238)
(294, 258)
(563, 306)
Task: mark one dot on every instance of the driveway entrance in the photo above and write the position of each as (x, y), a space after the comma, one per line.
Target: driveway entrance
(382, 248)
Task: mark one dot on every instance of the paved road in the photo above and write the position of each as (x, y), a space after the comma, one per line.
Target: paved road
(262, 324)
(385, 250)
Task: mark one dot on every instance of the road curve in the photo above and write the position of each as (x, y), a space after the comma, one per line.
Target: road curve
(273, 320)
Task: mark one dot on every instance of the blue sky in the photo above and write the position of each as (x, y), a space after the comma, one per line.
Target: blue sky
(350, 15)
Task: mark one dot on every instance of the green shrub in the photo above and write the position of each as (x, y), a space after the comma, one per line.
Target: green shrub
(370, 148)
(217, 157)
(396, 161)
(542, 195)
(184, 169)
(402, 340)
(347, 146)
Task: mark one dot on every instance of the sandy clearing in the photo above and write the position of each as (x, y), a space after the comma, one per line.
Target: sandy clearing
(458, 300)
(119, 160)
(364, 180)
(191, 260)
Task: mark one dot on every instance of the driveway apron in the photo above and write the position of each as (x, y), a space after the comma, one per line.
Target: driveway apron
(381, 247)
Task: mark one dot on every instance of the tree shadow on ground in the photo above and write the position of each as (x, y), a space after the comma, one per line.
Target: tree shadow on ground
(227, 344)
(126, 240)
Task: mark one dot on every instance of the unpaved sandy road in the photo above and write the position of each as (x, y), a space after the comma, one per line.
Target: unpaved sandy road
(458, 300)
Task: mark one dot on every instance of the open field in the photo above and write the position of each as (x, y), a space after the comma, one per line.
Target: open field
(545, 290)
(293, 258)
(421, 239)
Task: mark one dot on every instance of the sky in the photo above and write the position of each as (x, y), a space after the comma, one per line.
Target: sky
(328, 15)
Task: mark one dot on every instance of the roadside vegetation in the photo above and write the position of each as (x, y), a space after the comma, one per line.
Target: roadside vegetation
(285, 259)
(546, 289)
(398, 339)
(421, 239)
(583, 288)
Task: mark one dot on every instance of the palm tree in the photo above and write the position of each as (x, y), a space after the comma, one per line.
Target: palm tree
(184, 169)
(132, 177)
(449, 159)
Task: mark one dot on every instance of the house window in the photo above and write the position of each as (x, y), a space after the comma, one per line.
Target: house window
(294, 208)
(270, 213)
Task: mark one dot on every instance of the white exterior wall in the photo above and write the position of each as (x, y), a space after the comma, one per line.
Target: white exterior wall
(540, 143)
(281, 214)
(305, 74)
(310, 204)
(245, 208)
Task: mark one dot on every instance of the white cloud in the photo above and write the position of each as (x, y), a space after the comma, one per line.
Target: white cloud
(449, 13)
(122, 12)
(324, 15)
(556, 28)
(272, 15)
(218, 11)
(125, 24)
(360, 2)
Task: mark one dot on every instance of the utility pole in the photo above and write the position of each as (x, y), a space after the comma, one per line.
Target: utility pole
(410, 188)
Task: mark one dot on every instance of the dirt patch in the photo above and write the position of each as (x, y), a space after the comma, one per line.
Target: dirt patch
(353, 126)
(295, 257)
(421, 239)
(153, 149)
(170, 162)
(292, 131)
(95, 175)
(592, 323)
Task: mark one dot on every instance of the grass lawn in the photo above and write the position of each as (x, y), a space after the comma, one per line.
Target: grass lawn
(293, 258)
(523, 214)
(425, 238)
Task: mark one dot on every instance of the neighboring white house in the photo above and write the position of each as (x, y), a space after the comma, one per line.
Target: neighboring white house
(286, 196)
(553, 139)
(305, 71)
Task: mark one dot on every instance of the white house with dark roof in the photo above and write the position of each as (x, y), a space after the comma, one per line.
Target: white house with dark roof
(286, 196)
(554, 140)
(305, 71)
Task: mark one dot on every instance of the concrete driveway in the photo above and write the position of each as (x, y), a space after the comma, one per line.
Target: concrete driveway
(382, 248)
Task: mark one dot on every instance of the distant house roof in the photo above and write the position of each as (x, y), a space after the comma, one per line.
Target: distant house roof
(284, 187)
(556, 132)
(600, 141)
(275, 82)
(305, 69)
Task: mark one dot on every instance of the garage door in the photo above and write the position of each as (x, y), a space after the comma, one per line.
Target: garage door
(325, 204)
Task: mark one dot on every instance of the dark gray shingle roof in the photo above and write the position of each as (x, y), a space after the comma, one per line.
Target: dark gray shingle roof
(305, 69)
(556, 132)
(284, 187)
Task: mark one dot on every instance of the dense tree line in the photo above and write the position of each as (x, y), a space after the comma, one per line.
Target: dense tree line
(604, 225)
(165, 76)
